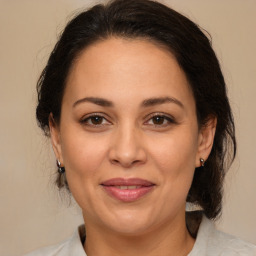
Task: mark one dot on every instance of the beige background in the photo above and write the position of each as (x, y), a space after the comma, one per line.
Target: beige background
(32, 213)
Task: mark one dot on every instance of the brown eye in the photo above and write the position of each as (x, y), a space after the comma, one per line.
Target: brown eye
(158, 120)
(96, 120)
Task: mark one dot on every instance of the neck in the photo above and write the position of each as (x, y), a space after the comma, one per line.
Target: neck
(164, 240)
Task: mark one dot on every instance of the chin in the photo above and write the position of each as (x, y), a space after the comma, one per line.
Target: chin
(131, 229)
(131, 222)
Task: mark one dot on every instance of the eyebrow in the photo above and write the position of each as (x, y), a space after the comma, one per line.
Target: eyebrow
(146, 103)
(98, 101)
(162, 100)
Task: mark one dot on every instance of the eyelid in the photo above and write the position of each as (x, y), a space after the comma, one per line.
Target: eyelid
(168, 117)
(90, 115)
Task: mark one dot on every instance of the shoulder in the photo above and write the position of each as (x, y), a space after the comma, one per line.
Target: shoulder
(229, 244)
(211, 242)
(50, 250)
(71, 246)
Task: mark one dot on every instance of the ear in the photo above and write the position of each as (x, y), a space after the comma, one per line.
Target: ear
(55, 138)
(205, 140)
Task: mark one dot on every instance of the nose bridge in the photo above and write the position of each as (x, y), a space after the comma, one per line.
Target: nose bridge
(127, 147)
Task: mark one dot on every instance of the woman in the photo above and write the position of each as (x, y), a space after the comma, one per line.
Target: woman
(135, 103)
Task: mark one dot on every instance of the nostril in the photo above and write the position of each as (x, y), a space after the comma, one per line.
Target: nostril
(126, 164)
(127, 154)
(114, 161)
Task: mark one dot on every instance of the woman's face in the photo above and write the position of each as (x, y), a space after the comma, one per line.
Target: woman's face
(128, 136)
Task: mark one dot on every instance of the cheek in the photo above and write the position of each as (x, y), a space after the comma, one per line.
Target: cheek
(174, 157)
(83, 158)
(83, 154)
(176, 152)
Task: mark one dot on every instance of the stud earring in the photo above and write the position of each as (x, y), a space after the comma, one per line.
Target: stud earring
(60, 169)
(202, 162)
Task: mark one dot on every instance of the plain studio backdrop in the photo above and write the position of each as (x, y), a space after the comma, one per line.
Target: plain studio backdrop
(32, 212)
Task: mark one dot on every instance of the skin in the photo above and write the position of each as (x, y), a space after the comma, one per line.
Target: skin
(128, 142)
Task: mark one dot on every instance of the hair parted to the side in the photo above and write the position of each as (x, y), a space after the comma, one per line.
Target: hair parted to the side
(152, 21)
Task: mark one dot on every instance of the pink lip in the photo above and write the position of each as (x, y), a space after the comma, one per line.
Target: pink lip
(127, 195)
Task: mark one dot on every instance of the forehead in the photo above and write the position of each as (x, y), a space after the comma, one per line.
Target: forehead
(133, 67)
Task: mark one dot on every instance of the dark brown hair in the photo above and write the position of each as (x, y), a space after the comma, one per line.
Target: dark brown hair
(157, 23)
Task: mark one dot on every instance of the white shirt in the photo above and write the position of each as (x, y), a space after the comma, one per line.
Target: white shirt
(209, 242)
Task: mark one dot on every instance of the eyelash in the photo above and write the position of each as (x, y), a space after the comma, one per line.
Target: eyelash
(167, 118)
(86, 119)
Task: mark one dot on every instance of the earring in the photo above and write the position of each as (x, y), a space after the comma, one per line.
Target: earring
(60, 169)
(202, 162)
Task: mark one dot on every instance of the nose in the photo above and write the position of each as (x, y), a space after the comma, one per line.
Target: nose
(127, 148)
